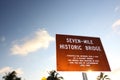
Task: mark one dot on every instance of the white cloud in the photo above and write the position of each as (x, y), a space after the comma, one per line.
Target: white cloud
(115, 74)
(116, 26)
(116, 71)
(9, 69)
(41, 39)
(5, 70)
(19, 71)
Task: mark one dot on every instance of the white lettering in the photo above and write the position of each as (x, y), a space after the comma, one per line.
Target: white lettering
(71, 40)
(87, 41)
(72, 47)
(93, 48)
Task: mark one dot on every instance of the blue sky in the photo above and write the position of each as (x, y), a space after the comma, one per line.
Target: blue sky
(28, 29)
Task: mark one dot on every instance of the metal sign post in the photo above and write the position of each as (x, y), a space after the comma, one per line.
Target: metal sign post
(84, 75)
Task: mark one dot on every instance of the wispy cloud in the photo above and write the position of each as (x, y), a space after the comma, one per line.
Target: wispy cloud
(117, 8)
(116, 71)
(116, 26)
(5, 70)
(41, 39)
(115, 74)
(2, 39)
(9, 69)
(19, 71)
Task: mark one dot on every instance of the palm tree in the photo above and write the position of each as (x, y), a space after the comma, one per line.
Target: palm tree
(11, 76)
(102, 77)
(53, 75)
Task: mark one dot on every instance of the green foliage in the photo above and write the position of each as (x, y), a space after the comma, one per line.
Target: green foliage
(102, 76)
(11, 76)
(53, 75)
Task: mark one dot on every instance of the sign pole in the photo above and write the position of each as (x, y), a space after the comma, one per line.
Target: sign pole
(84, 75)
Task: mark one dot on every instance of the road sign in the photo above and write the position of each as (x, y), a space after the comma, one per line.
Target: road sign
(80, 53)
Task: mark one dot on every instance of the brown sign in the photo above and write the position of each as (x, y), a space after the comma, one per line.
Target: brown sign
(80, 53)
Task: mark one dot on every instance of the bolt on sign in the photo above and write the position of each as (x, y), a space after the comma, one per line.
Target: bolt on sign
(80, 53)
